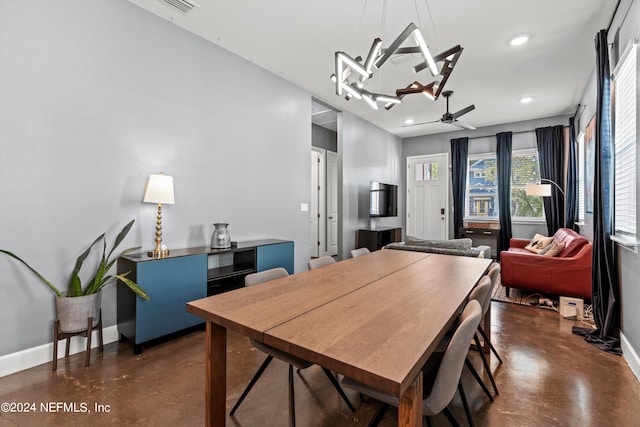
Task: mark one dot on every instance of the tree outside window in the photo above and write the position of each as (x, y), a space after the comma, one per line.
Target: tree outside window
(525, 169)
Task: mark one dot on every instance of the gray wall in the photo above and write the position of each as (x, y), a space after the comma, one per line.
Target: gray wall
(91, 106)
(324, 138)
(366, 153)
(484, 142)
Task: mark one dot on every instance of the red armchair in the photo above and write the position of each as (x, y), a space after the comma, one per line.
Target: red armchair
(568, 274)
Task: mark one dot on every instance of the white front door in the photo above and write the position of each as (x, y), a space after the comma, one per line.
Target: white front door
(332, 204)
(427, 196)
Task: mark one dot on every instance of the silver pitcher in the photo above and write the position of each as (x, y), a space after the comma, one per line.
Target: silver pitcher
(220, 238)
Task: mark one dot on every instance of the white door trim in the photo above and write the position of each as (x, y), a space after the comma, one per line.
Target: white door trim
(318, 199)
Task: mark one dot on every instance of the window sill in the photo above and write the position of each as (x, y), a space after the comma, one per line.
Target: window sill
(626, 242)
(526, 221)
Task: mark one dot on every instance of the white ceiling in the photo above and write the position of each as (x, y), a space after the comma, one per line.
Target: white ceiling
(297, 39)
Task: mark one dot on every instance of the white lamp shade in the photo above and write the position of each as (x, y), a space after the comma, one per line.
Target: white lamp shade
(541, 190)
(159, 190)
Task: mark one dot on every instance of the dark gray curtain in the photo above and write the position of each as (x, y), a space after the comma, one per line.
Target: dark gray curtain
(551, 154)
(459, 156)
(571, 200)
(605, 286)
(503, 154)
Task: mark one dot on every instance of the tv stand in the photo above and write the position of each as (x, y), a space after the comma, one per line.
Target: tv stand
(375, 239)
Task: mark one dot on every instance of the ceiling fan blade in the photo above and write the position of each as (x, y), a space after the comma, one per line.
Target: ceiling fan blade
(462, 125)
(421, 123)
(463, 111)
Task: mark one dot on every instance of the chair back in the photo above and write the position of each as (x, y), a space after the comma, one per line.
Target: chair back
(482, 293)
(360, 251)
(494, 272)
(321, 262)
(265, 276)
(448, 375)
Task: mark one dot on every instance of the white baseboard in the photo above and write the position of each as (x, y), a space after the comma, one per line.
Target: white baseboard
(30, 357)
(630, 355)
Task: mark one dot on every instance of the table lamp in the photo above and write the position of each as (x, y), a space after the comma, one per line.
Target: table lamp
(159, 190)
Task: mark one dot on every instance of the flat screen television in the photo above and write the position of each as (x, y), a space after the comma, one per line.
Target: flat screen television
(383, 199)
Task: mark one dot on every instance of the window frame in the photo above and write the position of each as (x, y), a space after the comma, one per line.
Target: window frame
(514, 219)
(527, 219)
(624, 78)
(581, 147)
(477, 157)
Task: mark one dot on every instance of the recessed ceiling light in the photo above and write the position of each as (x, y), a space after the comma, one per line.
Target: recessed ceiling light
(518, 40)
(526, 99)
(408, 122)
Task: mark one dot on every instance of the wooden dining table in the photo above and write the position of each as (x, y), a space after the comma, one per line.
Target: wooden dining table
(375, 318)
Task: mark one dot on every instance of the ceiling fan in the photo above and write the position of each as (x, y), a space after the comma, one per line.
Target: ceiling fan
(450, 118)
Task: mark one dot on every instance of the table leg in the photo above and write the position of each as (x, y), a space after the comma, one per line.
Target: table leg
(216, 380)
(410, 409)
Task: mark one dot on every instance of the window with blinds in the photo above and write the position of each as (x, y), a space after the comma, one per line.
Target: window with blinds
(624, 77)
(581, 184)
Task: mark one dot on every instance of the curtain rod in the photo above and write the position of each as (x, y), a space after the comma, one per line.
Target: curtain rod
(613, 16)
(514, 133)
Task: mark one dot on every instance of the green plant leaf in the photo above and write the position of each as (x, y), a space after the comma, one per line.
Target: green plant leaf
(98, 280)
(125, 252)
(101, 277)
(40, 276)
(99, 285)
(75, 285)
(133, 285)
(123, 233)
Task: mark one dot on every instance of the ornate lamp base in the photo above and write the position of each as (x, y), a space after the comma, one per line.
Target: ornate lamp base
(158, 253)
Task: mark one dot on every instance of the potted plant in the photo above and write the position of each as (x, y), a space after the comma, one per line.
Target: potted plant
(79, 303)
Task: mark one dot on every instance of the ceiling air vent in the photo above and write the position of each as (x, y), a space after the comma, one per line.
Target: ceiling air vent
(184, 6)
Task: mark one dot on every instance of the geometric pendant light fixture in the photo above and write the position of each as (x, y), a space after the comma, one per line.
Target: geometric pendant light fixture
(352, 74)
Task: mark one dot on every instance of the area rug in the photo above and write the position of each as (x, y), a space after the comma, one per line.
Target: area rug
(520, 297)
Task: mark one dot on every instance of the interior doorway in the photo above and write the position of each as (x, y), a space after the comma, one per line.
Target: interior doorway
(324, 203)
(427, 196)
(325, 221)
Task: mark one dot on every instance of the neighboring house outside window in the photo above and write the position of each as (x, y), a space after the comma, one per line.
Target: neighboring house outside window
(482, 189)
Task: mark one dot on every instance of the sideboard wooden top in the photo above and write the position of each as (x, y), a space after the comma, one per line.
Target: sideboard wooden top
(199, 250)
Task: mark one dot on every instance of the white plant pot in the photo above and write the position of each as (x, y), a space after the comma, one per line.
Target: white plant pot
(74, 312)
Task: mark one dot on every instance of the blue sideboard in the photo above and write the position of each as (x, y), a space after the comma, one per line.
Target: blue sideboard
(186, 275)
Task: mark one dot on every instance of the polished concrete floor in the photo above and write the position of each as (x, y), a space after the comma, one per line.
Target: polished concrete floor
(549, 377)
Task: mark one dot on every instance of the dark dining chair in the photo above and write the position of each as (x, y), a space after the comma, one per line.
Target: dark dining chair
(292, 361)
